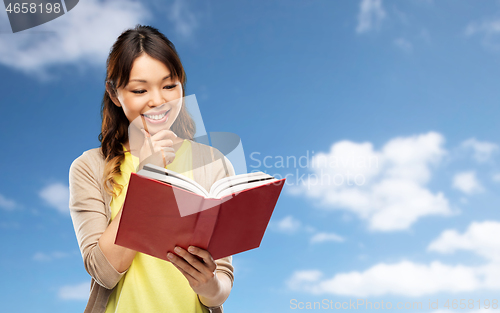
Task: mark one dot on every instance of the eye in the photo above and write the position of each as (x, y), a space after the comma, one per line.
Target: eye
(170, 86)
(139, 92)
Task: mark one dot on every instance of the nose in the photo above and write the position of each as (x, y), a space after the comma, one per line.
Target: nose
(156, 98)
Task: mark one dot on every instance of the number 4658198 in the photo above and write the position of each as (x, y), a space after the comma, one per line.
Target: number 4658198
(471, 304)
(33, 8)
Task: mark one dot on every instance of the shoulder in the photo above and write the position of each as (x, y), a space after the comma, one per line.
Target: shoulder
(200, 146)
(206, 150)
(89, 157)
(90, 161)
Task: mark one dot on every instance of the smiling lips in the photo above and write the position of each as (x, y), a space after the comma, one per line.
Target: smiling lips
(157, 118)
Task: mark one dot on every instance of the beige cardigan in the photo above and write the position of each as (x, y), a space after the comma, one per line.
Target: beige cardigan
(91, 215)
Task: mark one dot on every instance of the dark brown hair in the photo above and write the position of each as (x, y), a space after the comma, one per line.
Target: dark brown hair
(131, 44)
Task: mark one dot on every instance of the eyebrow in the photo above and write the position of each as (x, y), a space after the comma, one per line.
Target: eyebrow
(144, 81)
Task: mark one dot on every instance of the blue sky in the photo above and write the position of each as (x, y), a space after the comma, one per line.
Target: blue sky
(402, 95)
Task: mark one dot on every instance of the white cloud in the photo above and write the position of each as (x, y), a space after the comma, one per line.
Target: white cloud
(403, 44)
(299, 278)
(489, 27)
(75, 292)
(385, 187)
(46, 257)
(288, 224)
(82, 36)
(490, 31)
(413, 279)
(467, 182)
(370, 15)
(291, 225)
(404, 278)
(7, 204)
(184, 20)
(496, 177)
(411, 156)
(57, 196)
(323, 237)
(483, 150)
(482, 238)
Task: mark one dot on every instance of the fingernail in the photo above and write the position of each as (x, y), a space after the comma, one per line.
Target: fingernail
(170, 255)
(191, 249)
(177, 249)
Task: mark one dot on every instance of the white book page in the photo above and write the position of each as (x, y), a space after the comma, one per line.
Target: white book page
(164, 171)
(226, 182)
(175, 181)
(219, 189)
(241, 187)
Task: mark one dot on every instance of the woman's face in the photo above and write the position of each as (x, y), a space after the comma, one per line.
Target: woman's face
(150, 93)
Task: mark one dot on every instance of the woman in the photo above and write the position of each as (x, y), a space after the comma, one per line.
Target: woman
(144, 82)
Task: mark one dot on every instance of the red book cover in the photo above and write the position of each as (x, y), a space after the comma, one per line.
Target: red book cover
(152, 222)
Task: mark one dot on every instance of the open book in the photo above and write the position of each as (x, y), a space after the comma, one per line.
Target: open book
(163, 209)
(221, 188)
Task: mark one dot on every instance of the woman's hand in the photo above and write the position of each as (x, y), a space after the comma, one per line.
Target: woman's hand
(198, 266)
(162, 143)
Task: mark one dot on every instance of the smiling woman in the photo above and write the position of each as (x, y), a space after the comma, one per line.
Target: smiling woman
(144, 87)
(156, 97)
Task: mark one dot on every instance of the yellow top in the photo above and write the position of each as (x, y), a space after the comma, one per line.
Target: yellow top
(152, 284)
